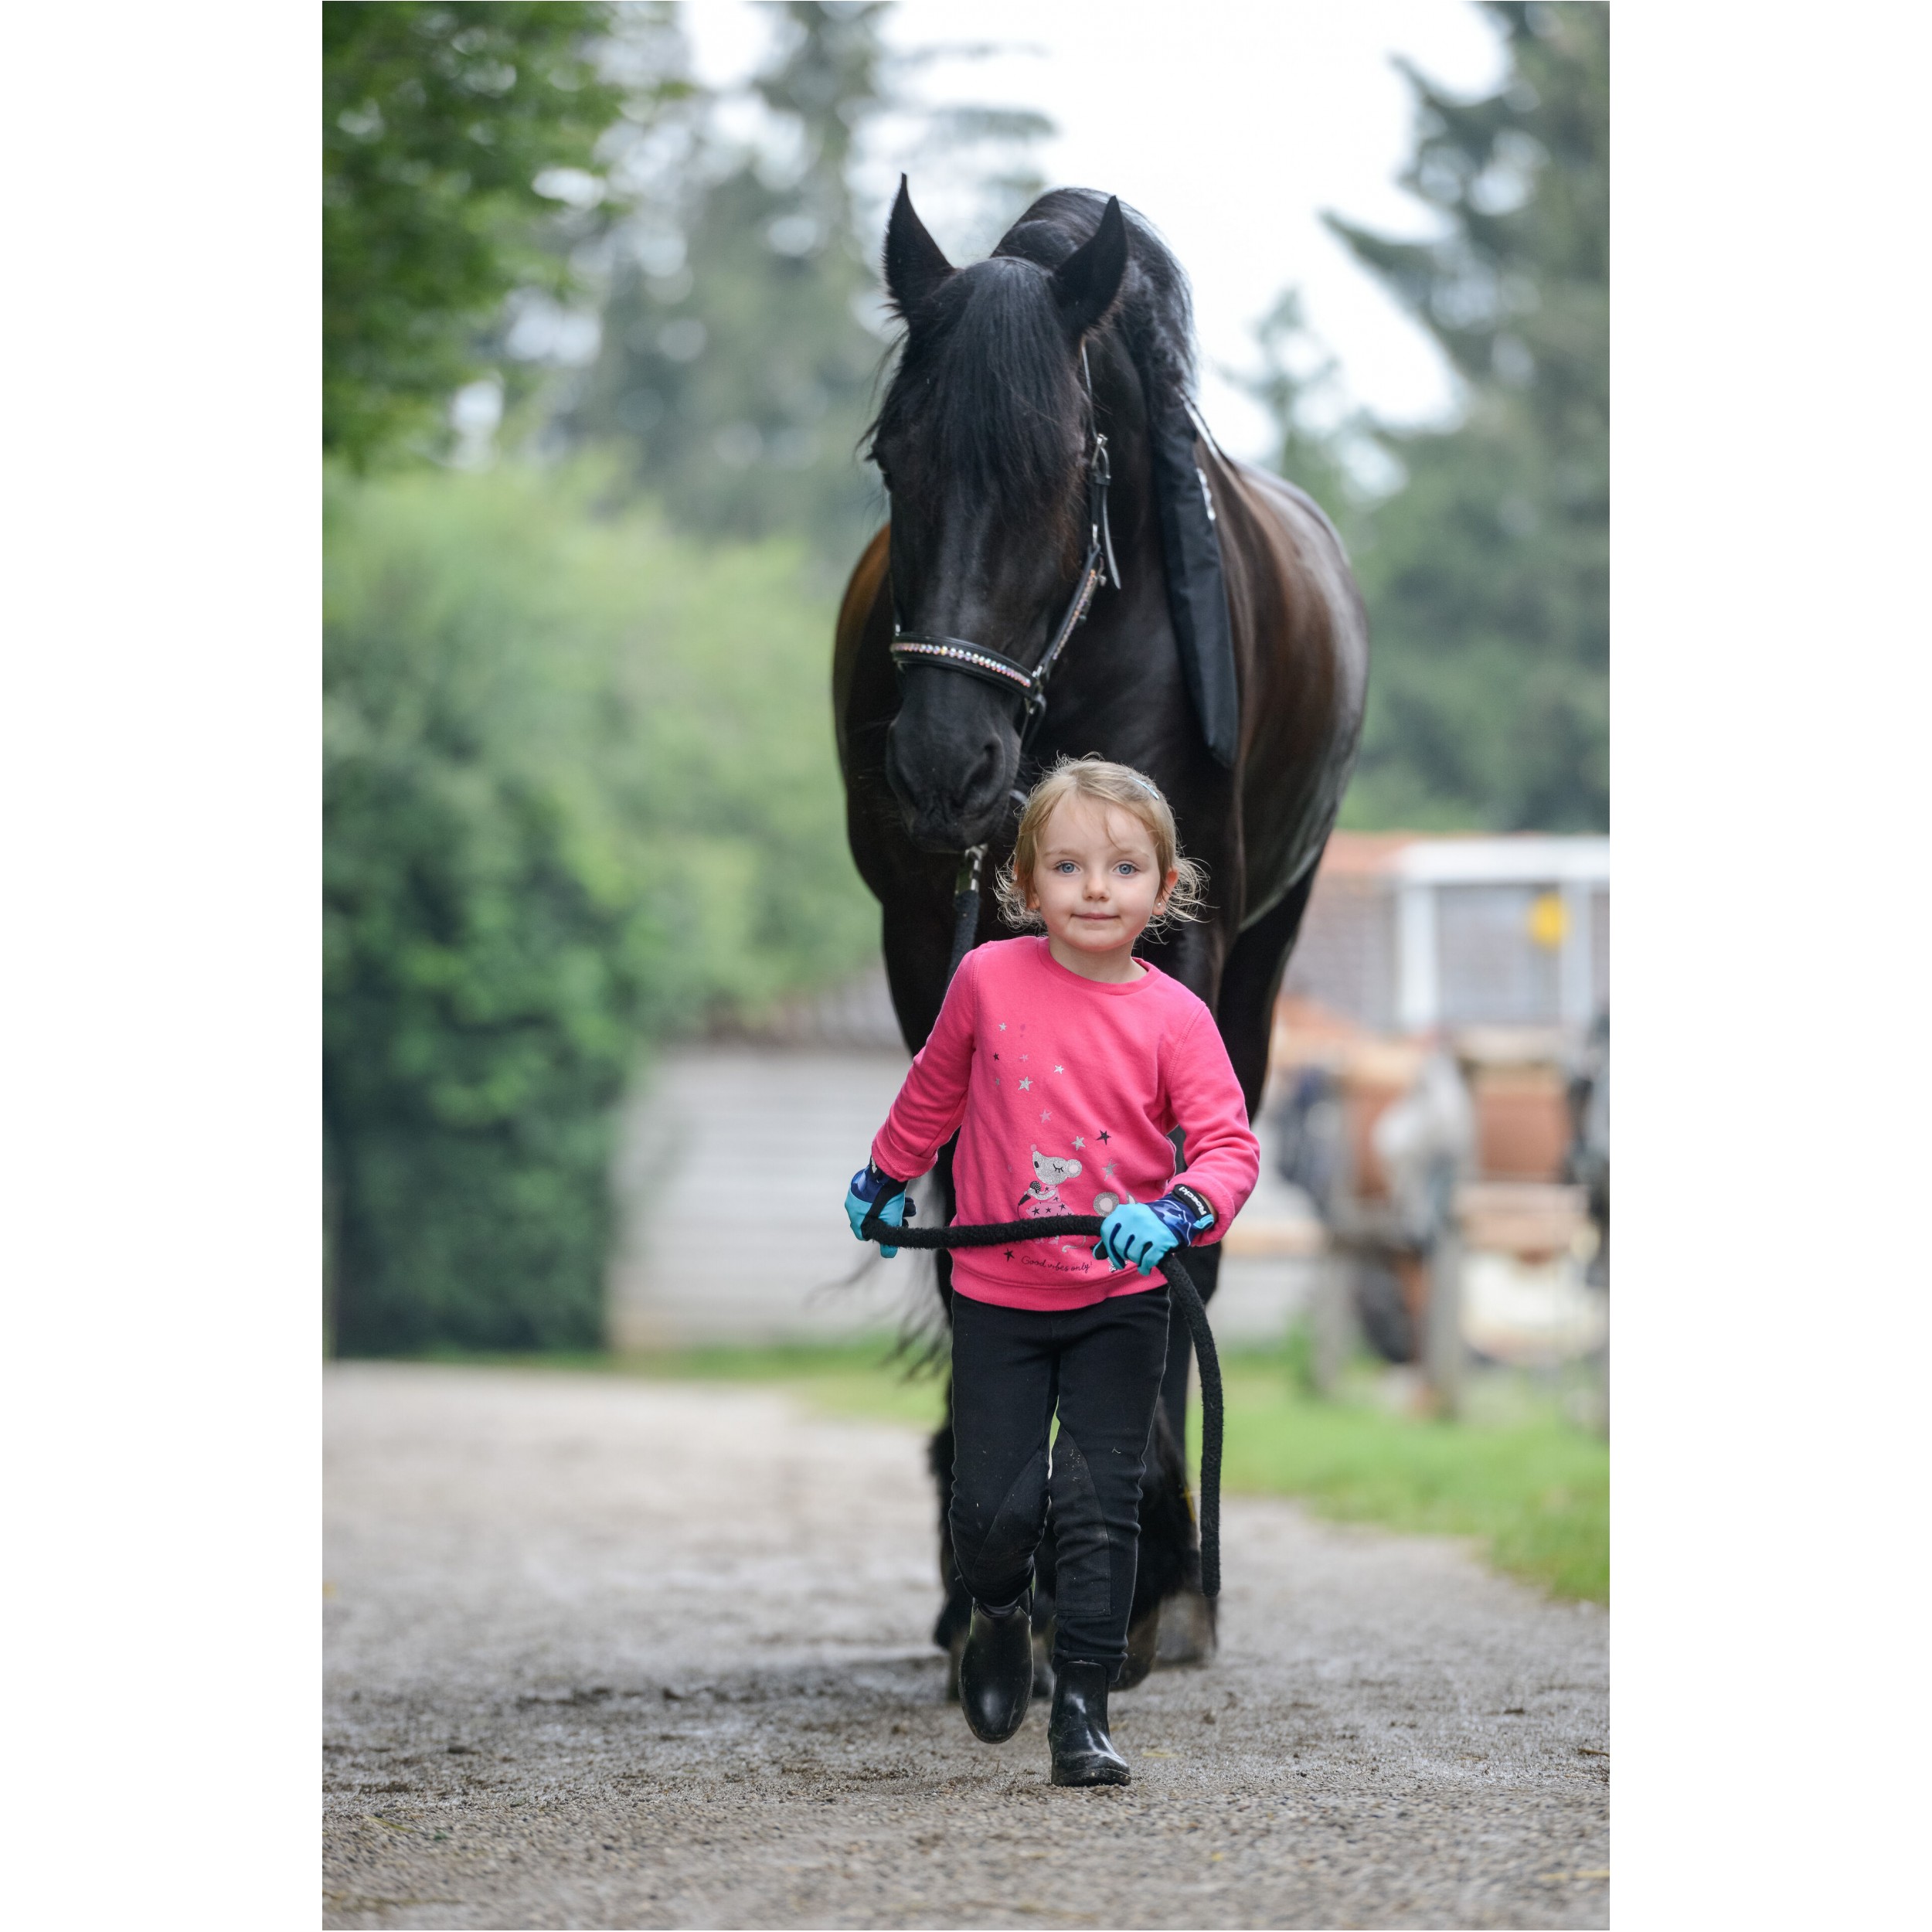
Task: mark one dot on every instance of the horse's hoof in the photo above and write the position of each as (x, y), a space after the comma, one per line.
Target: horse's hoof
(1187, 1635)
(1143, 1641)
(996, 1673)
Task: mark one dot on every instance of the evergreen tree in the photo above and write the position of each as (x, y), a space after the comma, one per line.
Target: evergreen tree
(734, 368)
(1296, 384)
(1487, 572)
(742, 346)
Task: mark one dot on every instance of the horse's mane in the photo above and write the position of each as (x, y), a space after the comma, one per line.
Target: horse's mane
(1155, 313)
(1007, 421)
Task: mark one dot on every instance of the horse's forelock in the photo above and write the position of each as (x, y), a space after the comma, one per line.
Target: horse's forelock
(988, 384)
(1156, 312)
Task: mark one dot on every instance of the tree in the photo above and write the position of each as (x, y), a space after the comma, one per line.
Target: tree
(735, 369)
(1296, 384)
(569, 805)
(439, 123)
(1486, 572)
(741, 352)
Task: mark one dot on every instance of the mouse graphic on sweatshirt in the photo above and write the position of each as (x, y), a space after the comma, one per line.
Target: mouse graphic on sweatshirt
(1043, 1195)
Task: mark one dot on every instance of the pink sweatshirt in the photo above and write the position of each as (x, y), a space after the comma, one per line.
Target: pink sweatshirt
(1063, 1090)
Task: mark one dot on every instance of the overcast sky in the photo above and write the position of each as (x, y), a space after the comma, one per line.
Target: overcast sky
(1230, 124)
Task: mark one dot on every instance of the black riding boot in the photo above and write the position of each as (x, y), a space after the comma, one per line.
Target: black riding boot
(1083, 1752)
(996, 1670)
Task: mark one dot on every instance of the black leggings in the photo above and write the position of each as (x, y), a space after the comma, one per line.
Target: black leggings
(1101, 1367)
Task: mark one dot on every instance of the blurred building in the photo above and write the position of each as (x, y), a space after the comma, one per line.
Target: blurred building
(1407, 933)
(1449, 982)
(761, 1136)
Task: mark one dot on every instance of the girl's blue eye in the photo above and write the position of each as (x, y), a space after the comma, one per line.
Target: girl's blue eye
(1066, 864)
(1127, 866)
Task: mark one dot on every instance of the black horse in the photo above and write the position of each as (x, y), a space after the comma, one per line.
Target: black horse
(1040, 446)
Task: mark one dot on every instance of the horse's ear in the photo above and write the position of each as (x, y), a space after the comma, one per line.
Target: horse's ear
(1088, 282)
(914, 264)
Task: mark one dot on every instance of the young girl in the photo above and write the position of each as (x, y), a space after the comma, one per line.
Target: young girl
(1064, 1062)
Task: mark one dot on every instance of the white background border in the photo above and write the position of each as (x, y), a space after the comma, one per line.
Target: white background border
(160, 766)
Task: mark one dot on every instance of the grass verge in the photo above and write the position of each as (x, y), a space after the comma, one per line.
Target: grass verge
(1533, 1488)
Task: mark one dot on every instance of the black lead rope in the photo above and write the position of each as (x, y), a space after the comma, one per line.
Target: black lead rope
(965, 906)
(995, 1233)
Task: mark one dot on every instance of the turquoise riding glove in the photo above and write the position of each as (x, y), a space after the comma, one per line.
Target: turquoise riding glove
(1138, 1234)
(869, 1189)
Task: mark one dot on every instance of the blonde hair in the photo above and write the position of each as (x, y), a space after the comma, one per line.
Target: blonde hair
(1106, 784)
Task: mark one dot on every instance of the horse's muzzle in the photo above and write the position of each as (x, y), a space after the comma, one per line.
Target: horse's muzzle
(951, 798)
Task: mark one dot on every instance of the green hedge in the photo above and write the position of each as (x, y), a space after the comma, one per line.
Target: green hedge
(579, 793)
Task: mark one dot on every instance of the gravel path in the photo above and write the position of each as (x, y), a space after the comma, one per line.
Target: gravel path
(612, 1653)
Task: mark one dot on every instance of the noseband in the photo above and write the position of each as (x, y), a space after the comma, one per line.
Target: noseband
(995, 667)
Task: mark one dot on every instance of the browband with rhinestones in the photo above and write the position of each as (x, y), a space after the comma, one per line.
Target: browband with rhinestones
(965, 657)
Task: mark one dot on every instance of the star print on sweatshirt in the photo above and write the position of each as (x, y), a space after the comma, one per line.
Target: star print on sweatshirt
(1132, 1062)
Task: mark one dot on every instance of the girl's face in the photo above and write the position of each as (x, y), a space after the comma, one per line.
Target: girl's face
(1096, 884)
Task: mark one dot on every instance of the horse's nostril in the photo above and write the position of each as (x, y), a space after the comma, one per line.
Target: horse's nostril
(985, 773)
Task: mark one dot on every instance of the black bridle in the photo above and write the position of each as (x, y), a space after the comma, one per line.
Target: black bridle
(995, 667)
